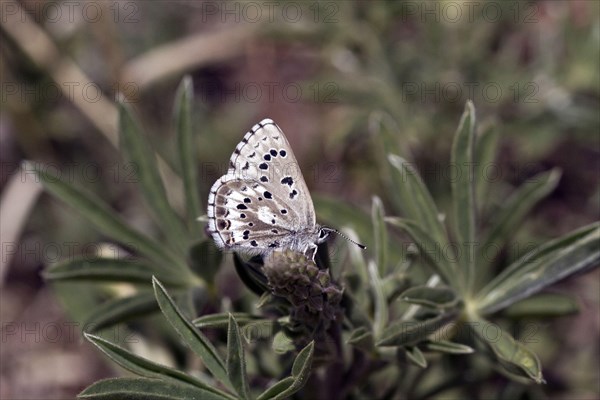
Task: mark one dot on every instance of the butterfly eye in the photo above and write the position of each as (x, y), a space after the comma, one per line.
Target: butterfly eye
(323, 234)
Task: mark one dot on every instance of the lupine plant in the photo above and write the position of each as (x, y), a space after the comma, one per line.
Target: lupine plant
(379, 324)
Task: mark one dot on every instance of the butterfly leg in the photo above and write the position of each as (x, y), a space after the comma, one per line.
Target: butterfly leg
(311, 248)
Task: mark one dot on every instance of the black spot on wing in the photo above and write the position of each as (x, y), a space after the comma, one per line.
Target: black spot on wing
(287, 181)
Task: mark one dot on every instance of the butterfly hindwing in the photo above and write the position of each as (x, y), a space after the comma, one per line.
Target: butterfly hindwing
(263, 200)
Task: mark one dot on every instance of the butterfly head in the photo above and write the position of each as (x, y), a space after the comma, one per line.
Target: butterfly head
(323, 234)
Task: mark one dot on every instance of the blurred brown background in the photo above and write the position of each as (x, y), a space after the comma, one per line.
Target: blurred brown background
(322, 71)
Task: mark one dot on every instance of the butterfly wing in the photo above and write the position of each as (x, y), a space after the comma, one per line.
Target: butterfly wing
(262, 201)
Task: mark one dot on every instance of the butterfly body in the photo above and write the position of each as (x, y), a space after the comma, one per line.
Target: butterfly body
(262, 203)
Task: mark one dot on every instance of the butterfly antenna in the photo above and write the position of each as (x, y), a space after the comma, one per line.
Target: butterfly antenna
(345, 237)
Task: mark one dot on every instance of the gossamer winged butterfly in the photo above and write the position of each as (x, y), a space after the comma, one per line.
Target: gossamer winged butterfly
(262, 204)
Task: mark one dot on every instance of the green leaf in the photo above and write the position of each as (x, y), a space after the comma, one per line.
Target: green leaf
(485, 154)
(414, 355)
(431, 297)
(463, 192)
(512, 355)
(110, 270)
(186, 147)
(300, 370)
(222, 320)
(193, 338)
(574, 252)
(138, 152)
(543, 305)
(282, 343)
(275, 391)
(205, 259)
(107, 222)
(415, 201)
(236, 362)
(145, 389)
(402, 333)
(516, 208)
(300, 373)
(387, 131)
(444, 346)
(362, 338)
(120, 310)
(429, 249)
(146, 368)
(380, 235)
(380, 318)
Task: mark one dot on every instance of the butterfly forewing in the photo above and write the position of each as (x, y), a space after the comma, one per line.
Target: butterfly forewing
(263, 200)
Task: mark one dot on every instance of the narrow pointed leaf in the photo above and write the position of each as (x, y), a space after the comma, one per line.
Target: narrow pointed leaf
(380, 318)
(486, 170)
(105, 220)
(401, 333)
(387, 132)
(362, 338)
(120, 310)
(463, 192)
(222, 320)
(516, 208)
(138, 152)
(444, 346)
(236, 362)
(286, 387)
(193, 338)
(380, 235)
(145, 389)
(431, 297)
(275, 391)
(431, 250)
(543, 305)
(511, 354)
(534, 272)
(416, 202)
(110, 270)
(146, 368)
(187, 159)
(300, 371)
(415, 356)
(539, 253)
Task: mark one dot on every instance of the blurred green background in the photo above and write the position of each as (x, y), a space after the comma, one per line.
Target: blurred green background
(324, 71)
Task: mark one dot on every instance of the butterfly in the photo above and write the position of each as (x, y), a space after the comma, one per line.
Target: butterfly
(262, 203)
